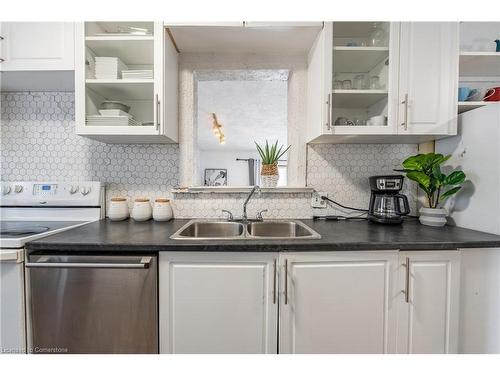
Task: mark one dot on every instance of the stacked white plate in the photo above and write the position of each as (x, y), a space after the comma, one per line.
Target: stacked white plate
(109, 67)
(137, 74)
(99, 120)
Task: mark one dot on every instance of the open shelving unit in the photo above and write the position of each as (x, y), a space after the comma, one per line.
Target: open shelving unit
(103, 39)
(355, 56)
(153, 100)
(479, 64)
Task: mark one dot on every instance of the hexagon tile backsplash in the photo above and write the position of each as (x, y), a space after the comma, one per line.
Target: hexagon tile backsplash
(38, 142)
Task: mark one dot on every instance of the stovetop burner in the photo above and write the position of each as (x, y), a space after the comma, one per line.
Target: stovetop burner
(22, 230)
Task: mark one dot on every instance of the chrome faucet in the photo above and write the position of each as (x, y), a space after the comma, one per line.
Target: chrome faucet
(255, 188)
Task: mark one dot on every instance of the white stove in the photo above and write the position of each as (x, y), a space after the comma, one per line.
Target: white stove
(31, 210)
(28, 211)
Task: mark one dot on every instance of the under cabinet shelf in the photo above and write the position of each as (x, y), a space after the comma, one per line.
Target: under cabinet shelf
(479, 64)
(468, 106)
(357, 98)
(358, 59)
(116, 89)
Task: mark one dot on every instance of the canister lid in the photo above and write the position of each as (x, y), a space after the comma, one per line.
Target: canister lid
(162, 200)
(142, 199)
(118, 199)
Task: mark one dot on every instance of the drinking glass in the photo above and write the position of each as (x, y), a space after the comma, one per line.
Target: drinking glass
(346, 84)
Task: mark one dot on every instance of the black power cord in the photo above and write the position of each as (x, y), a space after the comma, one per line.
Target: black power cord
(341, 205)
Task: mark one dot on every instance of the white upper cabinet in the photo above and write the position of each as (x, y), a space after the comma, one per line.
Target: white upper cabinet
(339, 302)
(360, 74)
(34, 46)
(221, 303)
(428, 78)
(428, 305)
(152, 100)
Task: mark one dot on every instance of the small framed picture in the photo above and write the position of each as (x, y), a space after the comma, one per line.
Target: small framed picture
(215, 177)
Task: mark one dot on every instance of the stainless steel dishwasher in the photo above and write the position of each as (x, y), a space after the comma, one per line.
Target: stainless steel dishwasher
(92, 303)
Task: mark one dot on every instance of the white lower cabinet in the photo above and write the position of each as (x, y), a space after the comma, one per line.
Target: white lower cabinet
(323, 302)
(339, 302)
(218, 302)
(429, 305)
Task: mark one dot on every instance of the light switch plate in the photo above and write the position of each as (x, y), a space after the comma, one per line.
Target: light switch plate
(317, 202)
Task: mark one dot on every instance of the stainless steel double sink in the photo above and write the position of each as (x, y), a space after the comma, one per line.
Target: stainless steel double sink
(234, 230)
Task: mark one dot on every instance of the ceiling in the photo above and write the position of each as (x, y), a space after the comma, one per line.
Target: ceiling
(265, 38)
(247, 110)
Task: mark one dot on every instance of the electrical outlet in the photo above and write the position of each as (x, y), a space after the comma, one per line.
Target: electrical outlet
(317, 202)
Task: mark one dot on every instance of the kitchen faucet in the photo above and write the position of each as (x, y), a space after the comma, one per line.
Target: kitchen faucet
(255, 188)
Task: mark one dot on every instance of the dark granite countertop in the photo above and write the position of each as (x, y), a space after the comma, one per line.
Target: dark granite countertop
(153, 236)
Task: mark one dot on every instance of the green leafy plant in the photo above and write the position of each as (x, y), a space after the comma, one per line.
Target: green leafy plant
(270, 154)
(425, 169)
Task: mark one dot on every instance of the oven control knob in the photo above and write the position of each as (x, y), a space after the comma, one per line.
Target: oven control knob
(5, 190)
(18, 189)
(84, 190)
(73, 189)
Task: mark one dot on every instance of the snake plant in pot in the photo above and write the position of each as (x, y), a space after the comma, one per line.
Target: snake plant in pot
(425, 170)
(270, 155)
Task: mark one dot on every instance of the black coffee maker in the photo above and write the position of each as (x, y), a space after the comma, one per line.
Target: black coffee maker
(385, 201)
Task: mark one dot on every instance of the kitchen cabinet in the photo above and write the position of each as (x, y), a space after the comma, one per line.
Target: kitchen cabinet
(428, 82)
(152, 101)
(37, 56)
(329, 302)
(428, 305)
(399, 89)
(29, 46)
(338, 302)
(218, 303)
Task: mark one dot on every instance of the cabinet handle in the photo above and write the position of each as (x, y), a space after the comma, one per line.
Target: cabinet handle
(406, 291)
(1, 38)
(286, 281)
(274, 282)
(157, 113)
(1, 60)
(329, 112)
(405, 102)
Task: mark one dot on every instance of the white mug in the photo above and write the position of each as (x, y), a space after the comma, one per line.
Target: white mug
(377, 120)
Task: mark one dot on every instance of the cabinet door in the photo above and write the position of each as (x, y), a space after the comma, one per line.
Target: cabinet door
(428, 78)
(319, 73)
(166, 62)
(37, 46)
(218, 303)
(338, 302)
(428, 318)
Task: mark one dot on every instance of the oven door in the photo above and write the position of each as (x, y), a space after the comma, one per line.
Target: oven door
(12, 317)
(93, 303)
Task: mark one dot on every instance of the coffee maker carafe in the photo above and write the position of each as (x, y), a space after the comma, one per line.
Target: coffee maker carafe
(387, 205)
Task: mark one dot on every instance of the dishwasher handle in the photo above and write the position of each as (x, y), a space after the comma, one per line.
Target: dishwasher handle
(144, 263)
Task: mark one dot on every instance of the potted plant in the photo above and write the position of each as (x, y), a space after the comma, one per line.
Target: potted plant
(425, 169)
(270, 155)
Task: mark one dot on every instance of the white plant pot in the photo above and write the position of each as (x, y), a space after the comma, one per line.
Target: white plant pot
(434, 217)
(269, 181)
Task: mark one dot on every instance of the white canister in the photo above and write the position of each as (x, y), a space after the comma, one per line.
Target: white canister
(162, 210)
(141, 211)
(118, 209)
